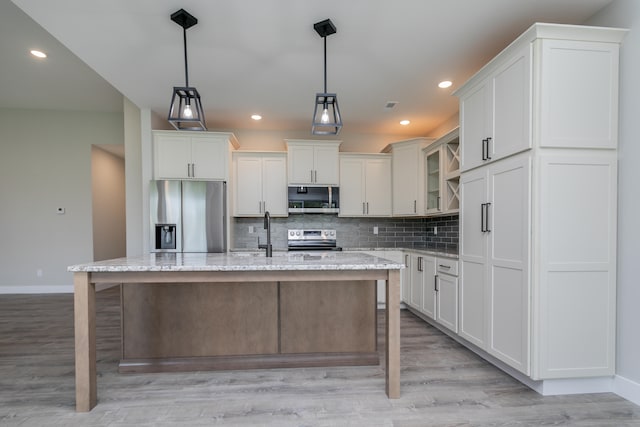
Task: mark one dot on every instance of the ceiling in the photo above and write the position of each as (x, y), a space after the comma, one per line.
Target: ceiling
(263, 56)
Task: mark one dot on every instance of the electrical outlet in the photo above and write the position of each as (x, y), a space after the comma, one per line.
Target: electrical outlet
(375, 230)
(39, 272)
(252, 229)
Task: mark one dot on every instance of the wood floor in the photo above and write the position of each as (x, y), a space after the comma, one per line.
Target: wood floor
(443, 384)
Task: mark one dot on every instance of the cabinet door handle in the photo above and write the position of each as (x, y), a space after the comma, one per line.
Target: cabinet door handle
(315, 176)
(438, 205)
(415, 206)
(363, 211)
(189, 170)
(367, 208)
(486, 217)
(482, 227)
(444, 266)
(435, 283)
(488, 141)
(419, 263)
(484, 149)
(406, 260)
(311, 177)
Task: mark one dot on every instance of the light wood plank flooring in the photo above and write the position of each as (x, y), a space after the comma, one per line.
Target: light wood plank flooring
(443, 384)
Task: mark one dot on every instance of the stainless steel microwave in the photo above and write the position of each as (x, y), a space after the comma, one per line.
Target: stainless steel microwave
(314, 200)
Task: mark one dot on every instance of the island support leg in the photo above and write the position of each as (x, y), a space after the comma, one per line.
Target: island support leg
(392, 331)
(84, 313)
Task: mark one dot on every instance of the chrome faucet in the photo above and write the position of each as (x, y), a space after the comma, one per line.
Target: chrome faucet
(267, 226)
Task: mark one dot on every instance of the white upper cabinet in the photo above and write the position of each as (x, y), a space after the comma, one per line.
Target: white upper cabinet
(408, 176)
(475, 120)
(260, 184)
(313, 162)
(495, 112)
(365, 184)
(578, 94)
(192, 155)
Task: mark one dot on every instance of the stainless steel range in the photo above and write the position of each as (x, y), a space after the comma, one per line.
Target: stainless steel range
(312, 240)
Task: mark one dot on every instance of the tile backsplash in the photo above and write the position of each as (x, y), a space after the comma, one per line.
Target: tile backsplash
(409, 233)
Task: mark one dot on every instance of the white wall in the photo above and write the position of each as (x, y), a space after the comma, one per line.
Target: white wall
(45, 163)
(108, 205)
(626, 14)
(133, 174)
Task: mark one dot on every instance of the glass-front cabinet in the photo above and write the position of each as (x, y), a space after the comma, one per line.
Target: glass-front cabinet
(442, 175)
(433, 174)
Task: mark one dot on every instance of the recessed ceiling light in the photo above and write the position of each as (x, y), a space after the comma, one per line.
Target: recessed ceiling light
(38, 54)
(404, 122)
(256, 117)
(445, 84)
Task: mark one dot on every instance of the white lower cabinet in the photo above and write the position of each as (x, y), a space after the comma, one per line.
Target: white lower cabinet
(495, 242)
(429, 298)
(395, 256)
(446, 293)
(557, 320)
(417, 280)
(431, 288)
(405, 278)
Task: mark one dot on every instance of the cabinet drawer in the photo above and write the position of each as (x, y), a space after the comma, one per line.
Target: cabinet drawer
(447, 266)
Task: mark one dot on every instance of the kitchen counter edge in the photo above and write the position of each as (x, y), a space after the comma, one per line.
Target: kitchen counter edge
(241, 261)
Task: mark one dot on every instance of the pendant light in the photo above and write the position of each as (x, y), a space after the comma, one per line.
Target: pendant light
(326, 115)
(185, 112)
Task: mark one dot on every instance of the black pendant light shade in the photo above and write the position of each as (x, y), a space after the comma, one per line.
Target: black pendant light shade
(326, 114)
(185, 111)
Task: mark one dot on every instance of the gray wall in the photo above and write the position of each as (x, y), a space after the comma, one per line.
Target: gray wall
(626, 14)
(108, 205)
(45, 163)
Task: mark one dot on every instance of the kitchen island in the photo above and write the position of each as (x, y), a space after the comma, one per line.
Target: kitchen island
(280, 311)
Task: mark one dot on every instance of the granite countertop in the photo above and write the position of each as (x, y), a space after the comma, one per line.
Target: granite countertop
(425, 251)
(241, 261)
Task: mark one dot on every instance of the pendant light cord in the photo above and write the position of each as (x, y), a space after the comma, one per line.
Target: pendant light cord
(325, 64)
(186, 68)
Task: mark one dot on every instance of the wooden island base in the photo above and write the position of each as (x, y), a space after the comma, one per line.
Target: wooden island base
(196, 326)
(362, 270)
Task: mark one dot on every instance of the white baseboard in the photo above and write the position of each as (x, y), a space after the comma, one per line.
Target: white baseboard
(554, 387)
(626, 388)
(53, 289)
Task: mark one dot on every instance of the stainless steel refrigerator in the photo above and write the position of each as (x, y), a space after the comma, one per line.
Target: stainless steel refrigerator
(188, 216)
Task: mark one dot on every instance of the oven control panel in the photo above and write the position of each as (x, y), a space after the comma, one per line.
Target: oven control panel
(315, 234)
